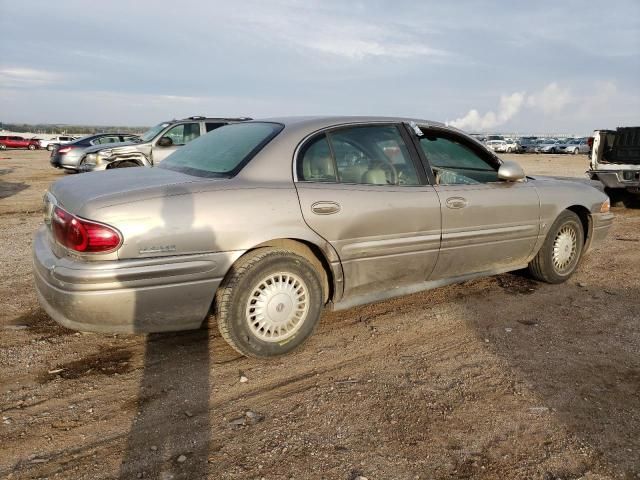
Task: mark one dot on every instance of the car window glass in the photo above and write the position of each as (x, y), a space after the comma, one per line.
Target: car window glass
(212, 126)
(317, 165)
(183, 133)
(373, 155)
(456, 163)
(102, 140)
(224, 151)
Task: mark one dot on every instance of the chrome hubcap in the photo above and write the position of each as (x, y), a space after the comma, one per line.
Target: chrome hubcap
(564, 248)
(277, 307)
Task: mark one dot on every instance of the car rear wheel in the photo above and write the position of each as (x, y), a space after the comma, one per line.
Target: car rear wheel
(509, 150)
(2, 146)
(31, 147)
(561, 251)
(269, 303)
(576, 151)
(49, 147)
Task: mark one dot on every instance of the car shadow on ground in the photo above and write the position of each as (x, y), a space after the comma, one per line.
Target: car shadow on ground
(585, 369)
(169, 434)
(8, 189)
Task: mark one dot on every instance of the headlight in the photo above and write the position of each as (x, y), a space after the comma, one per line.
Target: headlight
(606, 206)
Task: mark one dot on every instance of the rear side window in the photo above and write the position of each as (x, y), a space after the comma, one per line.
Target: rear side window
(367, 155)
(317, 163)
(212, 126)
(223, 152)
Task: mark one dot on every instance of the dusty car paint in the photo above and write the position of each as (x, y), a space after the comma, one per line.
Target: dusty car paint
(182, 233)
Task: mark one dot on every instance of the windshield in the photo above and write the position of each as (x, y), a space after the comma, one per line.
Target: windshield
(222, 152)
(152, 132)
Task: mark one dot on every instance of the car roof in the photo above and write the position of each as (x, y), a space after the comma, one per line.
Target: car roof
(320, 122)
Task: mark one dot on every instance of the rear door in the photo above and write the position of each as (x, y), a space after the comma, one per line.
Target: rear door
(487, 224)
(360, 189)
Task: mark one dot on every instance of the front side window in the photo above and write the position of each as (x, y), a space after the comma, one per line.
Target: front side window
(223, 152)
(453, 162)
(183, 133)
(370, 155)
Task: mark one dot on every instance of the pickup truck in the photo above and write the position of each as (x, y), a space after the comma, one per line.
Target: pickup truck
(59, 140)
(615, 161)
(13, 141)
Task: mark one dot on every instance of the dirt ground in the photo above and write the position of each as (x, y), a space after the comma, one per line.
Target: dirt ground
(497, 378)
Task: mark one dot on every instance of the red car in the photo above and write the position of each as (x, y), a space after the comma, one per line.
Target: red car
(13, 141)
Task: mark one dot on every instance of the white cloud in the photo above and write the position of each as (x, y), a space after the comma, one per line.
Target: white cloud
(18, 77)
(552, 99)
(509, 106)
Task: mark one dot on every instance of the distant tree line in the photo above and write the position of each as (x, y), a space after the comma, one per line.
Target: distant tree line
(61, 129)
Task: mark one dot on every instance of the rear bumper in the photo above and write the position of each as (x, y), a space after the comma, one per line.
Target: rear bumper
(127, 296)
(627, 179)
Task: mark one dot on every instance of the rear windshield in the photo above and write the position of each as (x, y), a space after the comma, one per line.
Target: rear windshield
(222, 152)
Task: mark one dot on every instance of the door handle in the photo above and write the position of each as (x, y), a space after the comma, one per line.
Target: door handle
(456, 202)
(325, 208)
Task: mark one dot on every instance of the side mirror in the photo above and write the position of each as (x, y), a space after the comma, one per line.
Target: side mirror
(511, 171)
(165, 142)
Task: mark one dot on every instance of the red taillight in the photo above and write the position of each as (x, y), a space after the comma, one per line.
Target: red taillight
(82, 235)
(63, 150)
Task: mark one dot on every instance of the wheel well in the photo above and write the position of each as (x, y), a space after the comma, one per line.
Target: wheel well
(585, 218)
(114, 163)
(313, 254)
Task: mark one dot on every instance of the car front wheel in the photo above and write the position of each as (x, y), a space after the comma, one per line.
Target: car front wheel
(269, 303)
(561, 251)
(31, 147)
(576, 151)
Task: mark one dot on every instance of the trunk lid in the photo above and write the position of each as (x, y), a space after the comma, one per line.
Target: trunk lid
(81, 194)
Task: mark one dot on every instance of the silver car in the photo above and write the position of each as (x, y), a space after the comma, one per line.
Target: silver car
(152, 146)
(265, 223)
(576, 146)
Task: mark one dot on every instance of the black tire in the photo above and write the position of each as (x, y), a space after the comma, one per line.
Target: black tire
(126, 164)
(618, 197)
(235, 298)
(543, 267)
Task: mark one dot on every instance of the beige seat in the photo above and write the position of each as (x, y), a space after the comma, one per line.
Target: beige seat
(375, 176)
(352, 173)
(318, 167)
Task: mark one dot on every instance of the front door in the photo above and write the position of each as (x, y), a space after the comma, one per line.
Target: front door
(361, 191)
(487, 224)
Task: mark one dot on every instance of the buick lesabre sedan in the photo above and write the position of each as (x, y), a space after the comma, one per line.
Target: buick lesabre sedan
(264, 223)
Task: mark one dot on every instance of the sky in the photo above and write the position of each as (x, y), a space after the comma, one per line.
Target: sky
(503, 66)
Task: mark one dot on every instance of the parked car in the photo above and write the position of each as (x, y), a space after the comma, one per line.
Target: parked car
(68, 156)
(267, 222)
(496, 145)
(549, 146)
(527, 144)
(576, 146)
(153, 146)
(59, 140)
(511, 146)
(14, 141)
